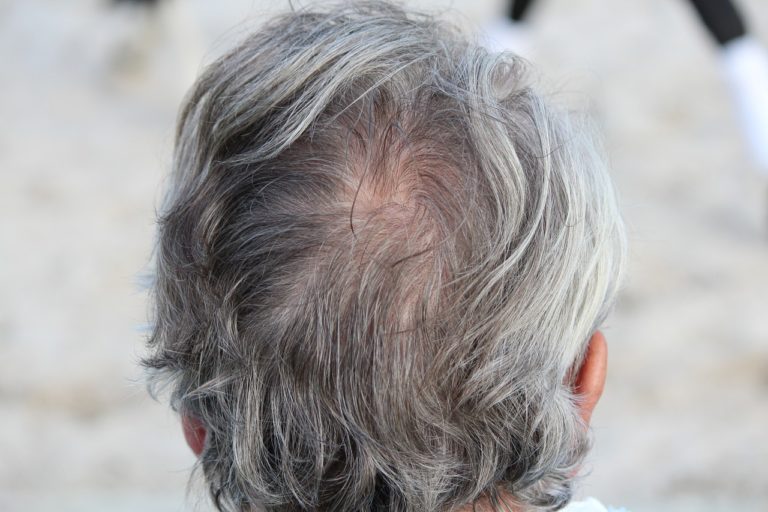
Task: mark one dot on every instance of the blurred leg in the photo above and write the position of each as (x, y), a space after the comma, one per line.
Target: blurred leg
(744, 61)
(518, 8)
(721, 19)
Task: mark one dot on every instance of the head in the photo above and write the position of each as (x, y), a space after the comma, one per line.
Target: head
(381, 261)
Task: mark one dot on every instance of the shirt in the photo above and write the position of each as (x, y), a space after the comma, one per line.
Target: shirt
(590, 505)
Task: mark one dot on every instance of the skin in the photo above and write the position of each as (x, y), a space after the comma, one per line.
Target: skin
(589, 385)
(590, 380)
(194, 433)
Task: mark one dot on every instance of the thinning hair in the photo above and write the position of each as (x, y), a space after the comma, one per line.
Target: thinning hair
(379, 263)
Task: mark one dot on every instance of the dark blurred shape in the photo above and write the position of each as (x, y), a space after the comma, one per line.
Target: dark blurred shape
(721, 18)
(518, 8)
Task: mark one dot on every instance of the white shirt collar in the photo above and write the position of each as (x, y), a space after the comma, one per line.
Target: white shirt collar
(588, 505)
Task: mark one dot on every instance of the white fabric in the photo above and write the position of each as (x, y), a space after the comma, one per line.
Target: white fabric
(589, 505)
(745, 62)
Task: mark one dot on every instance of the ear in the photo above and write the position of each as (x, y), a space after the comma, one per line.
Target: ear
(590, 379)
(194, 433)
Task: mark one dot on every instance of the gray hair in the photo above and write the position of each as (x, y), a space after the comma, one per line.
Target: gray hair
(379, 263)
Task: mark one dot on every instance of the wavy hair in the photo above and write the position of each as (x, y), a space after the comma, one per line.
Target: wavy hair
(379, 262)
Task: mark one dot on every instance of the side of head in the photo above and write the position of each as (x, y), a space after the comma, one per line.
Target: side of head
(380, 261)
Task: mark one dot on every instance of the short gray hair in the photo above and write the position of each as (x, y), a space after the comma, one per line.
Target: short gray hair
(379, 262)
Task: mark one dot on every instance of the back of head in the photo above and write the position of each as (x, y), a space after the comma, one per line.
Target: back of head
(380, 259)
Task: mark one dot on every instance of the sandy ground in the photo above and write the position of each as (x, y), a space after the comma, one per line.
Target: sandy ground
(87, 121)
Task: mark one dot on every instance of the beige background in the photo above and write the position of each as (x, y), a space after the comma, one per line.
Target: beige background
(87, 101)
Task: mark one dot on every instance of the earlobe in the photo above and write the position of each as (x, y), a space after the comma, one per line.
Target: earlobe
(590, 380)
(194, 433)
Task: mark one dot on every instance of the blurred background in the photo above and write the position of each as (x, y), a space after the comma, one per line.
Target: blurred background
(88, 95)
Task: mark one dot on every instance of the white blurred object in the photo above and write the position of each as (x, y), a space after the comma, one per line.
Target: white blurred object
(589, 505)
(745, 63)
(503, 34)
